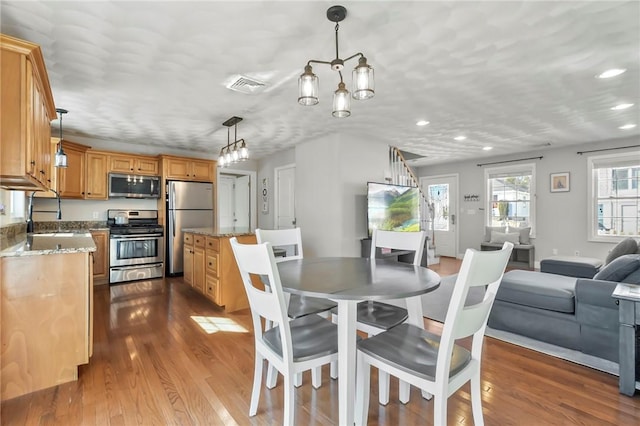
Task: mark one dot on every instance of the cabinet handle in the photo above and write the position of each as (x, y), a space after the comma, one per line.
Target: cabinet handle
(88, 193)
(42, 171)
(210, 263)
(33, 163)
(48, 180)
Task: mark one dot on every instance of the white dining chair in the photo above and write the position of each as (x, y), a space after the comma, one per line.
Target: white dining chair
(291, 346)
(375, 317)
(435, 363)
(299, 306)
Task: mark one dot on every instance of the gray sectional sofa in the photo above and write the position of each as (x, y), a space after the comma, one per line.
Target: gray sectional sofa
(573, 312)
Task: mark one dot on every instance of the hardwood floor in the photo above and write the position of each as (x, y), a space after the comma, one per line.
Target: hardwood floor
(154, 365)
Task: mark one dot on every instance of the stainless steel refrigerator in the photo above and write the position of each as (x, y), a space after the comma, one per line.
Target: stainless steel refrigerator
(189, 205)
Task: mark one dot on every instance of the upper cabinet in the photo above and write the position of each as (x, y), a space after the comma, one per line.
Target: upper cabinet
(134, 164)
(96, 173)
(182, 168)
(71, 180)
(27, 111)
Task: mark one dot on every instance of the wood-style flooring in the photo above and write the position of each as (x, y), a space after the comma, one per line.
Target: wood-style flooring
(153, 364)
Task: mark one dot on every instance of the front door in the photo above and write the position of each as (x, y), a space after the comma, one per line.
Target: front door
(442, 198)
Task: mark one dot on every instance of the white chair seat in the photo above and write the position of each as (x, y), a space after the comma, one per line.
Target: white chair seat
(413, 350)
(311, 336)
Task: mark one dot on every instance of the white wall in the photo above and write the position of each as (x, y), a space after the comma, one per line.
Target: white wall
(331, 186)
(561, 217)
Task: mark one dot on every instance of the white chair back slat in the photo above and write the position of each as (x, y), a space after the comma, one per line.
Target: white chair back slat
(478, 268)
(258, 260)
(282, 238)
(399, 241)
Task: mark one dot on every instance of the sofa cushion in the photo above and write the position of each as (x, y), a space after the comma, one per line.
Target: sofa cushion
(626, 246)
(632, 278)
(571, 266)
(489, 229)
(539, 290)
(619, 268)
(501, 238)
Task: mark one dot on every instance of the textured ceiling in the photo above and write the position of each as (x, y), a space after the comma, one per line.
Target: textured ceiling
(513, 75)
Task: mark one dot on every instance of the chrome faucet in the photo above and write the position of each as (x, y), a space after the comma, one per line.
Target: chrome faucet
(30, 214)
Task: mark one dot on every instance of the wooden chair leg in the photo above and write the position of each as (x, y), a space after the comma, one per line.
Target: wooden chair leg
(383, 387)
(333, 370)
(316, 377)
(272, 376)
(404, 391)
(363, 383)
(257, 383)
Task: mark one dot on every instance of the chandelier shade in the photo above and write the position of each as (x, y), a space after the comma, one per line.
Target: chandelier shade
(363, 84)
(231, 153)
(60, 159)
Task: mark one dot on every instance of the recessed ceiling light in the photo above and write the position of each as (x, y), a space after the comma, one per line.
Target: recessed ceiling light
(621, 106)
(627, 127)
(612, 73)
(422, 123)
(460, 138)
(487, 148)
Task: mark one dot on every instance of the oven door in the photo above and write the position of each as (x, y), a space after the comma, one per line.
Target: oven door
(125, 250)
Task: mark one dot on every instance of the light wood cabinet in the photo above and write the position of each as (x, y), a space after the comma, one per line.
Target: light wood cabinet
(133, 164)
(213, 270)
(71, 180)
(44, 339)
(187, 259)
(96, 183)
(27, 112)
(182, 168)
(101, 257)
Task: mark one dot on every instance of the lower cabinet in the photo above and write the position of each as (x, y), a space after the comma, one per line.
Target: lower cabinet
(47, 320)
(101, 257)
(211, 269)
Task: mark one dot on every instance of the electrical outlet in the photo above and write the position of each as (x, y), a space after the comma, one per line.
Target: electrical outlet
(96, 215)
(577, 253)
(555, 252)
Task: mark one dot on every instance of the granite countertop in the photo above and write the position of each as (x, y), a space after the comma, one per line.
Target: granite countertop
(224, 232)
(47, 243)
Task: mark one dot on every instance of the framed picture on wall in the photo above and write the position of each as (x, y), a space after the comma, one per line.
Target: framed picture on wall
(560, 182)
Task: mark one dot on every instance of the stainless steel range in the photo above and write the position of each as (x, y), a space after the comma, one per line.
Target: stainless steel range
(136, 245)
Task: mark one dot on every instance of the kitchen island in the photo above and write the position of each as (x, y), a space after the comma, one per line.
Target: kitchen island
(46, 302)
(210, 267)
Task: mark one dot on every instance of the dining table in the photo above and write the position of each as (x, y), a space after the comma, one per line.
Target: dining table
(348, 281)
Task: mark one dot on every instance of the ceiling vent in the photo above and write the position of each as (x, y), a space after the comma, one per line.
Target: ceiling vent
(244, 84)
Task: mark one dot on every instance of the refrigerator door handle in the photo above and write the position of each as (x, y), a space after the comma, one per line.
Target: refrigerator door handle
(173, 213)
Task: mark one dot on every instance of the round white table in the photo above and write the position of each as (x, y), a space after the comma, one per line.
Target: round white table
(347, 281)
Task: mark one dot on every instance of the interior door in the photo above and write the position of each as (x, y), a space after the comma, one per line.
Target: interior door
(285, 197)
(242, 204)
(443, 224)
(226, 201)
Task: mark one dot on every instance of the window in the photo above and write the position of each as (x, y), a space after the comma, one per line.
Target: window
(511, 196)
(615, 196)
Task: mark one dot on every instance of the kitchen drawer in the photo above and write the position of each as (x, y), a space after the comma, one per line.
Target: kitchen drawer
(212, 290)
(212, 264)
(213, 244)
(188, 239)
(198, 240)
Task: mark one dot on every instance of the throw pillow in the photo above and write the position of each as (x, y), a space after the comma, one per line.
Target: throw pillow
(500, 237)
(619, 268)
(626, 246)
(524, 234)
(489, 229)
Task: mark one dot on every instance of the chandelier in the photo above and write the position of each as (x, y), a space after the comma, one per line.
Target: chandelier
(60, 157)
(231, 153)
(362, 76)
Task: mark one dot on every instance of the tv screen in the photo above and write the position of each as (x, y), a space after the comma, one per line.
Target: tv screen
(393, 207)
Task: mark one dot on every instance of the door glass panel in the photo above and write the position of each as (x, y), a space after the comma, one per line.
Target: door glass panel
(439, 197)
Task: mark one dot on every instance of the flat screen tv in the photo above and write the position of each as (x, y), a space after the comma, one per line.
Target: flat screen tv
(393, 207)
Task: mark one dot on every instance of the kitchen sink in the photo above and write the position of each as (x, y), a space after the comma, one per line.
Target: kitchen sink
(58, 234)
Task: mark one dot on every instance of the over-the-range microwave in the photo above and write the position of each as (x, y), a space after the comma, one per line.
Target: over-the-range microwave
(134, 186)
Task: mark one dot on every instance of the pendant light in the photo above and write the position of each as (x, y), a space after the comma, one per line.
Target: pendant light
(61, 157)
(362, 75)
(232, 153)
